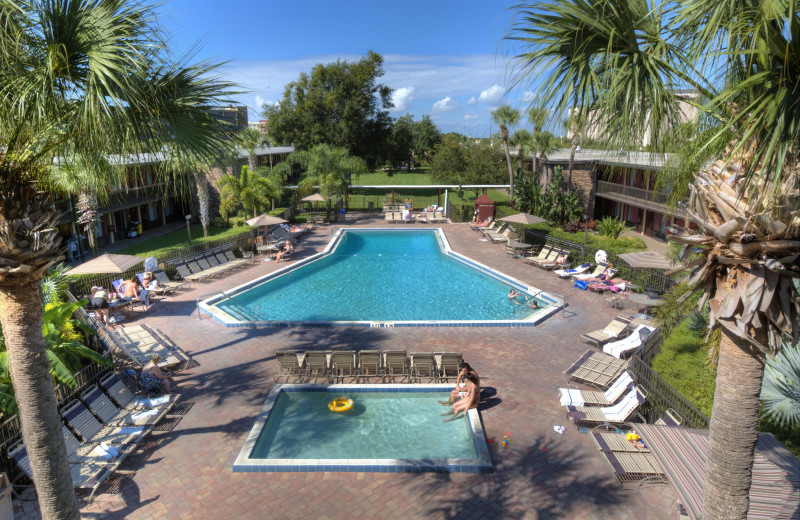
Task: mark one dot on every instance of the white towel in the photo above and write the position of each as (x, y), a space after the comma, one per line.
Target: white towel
(141, 416)
(106, 452)
(153, 402)
(131, 430)
(570, 397)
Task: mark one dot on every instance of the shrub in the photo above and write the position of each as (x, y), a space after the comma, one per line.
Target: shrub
(220, 222)
(610, 227)
(237, 221)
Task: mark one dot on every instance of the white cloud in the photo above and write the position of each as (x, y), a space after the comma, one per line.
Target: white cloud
(470, 116)
(528, 97)
(402, 98)
(493, 95)
(259, 101)
(472, 101)
(447, 104)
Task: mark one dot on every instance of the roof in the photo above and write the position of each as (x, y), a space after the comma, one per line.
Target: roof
(484, 199)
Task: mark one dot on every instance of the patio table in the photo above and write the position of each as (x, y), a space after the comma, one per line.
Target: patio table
(519, 246)
(268, 250)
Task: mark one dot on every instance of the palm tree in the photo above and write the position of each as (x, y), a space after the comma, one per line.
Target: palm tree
(575, 123)
(544, 143)
(250, 139)
(521, 139)
(537, 116)
(504, 116)
(327, 168)
(619, 61)
(251, 191)
(79, 79)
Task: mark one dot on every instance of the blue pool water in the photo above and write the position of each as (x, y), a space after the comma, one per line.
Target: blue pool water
(381, 425)
(375, 275)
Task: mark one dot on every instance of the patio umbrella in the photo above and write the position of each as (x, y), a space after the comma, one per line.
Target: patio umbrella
(316, 197)
(523, 218)
(264, 220)
(107, 264)
(649, 259)
(682, 453)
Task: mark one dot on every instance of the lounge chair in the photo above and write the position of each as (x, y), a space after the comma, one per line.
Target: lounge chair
(85, 475)
(122, 395)
(630, 465)
(395, 363)
(616, 415)
(670, 418)
(164, 280)
(423, 366)
(317, 366)
(611, 442)
(575, 397)
(566, 273)
(289, 365)
(596, 369)
(598, 270)
(370, 364)
(629, 344)
(242, 262)
(501, 238)
(81, 453)
(552, 254)
(343, 365)
(140, 342)
(109, 413)
(81, 420)
(561, 260)
(541, 255)
(613, 330)
(159, 290)
(488, 223)
(449, 366)
(119, 288)
(186, 274)
(494, 227)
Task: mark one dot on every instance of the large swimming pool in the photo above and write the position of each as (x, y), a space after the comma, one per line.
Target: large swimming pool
(380, 276)
(390, 428)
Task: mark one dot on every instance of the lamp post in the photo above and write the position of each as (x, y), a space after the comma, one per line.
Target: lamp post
(188, 227)
(585, 229)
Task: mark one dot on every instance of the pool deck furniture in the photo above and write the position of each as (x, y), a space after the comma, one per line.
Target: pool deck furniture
(449, 366)
(108, 412)
(577, 397)
(395, 363)
(560, 260)
(598, 270)
(119, 392)
(613, 330)
(634, 468)
(344, 366)
(617, 415)
(165, 282)
(595, 369)
(289, 366)
(85, 424)
(423, 367)
(370, 365)
(630, 344)
(317, 366)
(140, 342)
(566, 273)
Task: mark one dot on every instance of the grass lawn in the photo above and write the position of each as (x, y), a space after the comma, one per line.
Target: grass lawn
(681, 363)
(610, 245)
(381, 178)
(177, 239)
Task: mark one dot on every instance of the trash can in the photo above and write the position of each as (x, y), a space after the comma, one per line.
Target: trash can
(6, 506)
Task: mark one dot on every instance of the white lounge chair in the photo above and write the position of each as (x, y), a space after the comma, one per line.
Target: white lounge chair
(620, 348)
(566, 273)
(575, 397)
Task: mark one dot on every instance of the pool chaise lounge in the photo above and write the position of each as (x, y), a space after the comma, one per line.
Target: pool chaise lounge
(576, 397)
(631, 343)
(596, 369)
(617, 415)
(611, 331)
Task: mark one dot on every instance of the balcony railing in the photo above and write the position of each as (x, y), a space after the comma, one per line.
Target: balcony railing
(641, 197)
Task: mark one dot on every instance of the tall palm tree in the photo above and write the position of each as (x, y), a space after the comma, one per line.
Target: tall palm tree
(575, 123)
(521, 139)
(544, 143)
(619, 60)
(505, 116)
(250, 139)
(327, 168)
(251, 191)
(79, 79)
(537, 116)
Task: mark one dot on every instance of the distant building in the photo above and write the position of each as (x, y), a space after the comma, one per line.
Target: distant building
(260, 125)
(235, 117)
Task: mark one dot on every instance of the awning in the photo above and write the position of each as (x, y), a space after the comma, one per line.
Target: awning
(681, 453)
(649, 259)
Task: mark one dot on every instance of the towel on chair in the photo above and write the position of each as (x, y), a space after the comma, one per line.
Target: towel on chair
(131, 430)
(141, 416)
(106, 452)
(153, 402)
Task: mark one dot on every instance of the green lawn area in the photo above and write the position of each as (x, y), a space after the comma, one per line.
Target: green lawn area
(610, 245)
(681, 363)
(413, 177)
(174, 240)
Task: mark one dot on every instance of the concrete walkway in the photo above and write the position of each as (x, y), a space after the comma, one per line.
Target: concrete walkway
(184, 471)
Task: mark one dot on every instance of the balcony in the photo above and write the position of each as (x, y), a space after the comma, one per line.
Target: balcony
(65, 211)
(639, 197)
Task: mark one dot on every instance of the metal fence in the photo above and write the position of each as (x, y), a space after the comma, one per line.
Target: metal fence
(649, 280)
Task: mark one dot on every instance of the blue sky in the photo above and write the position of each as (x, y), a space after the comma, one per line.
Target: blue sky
(442, 58)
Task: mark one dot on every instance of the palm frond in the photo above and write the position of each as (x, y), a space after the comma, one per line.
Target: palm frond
(780, 391)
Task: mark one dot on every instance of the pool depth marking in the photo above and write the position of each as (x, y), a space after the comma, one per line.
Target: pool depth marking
(210, 307)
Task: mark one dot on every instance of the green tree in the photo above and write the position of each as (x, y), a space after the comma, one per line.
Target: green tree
(537, 116)
(455, 162)
(341, 104)
(79, 79)
(505, 116)
(620, 61)
(521, 140)
(251, 191)
(327, 168)
(543, 143)
(401, 143)
(426, 136)
(449, 161)
(250, 139)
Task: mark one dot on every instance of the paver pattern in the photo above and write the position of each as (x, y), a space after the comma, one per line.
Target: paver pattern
(186, 472)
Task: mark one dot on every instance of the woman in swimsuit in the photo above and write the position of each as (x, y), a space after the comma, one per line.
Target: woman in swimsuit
(469, 399)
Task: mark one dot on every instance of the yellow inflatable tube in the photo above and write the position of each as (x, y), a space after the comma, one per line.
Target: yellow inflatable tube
(340, 404)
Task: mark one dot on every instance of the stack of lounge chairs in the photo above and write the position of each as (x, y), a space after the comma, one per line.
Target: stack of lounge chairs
(139, 342)
(366, 366)
(101, 429)
(208, 265)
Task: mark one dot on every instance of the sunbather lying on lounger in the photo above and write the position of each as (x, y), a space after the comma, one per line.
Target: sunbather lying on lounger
(605, 276)
(469, 399)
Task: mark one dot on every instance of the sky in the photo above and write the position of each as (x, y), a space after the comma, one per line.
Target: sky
(443, 58)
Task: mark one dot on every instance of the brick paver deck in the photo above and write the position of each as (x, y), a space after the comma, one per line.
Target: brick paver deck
(186, 473)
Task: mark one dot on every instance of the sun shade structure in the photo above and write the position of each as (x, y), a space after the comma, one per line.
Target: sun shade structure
(523, 218)
(264, 220)
(682, 453)
(649, 259)
(316, 197)
(107, 264)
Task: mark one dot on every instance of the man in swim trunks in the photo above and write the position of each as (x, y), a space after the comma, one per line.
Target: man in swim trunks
(461, 383)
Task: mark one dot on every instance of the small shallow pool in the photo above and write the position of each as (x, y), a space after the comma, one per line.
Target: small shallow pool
(391, 428)
(384, 277)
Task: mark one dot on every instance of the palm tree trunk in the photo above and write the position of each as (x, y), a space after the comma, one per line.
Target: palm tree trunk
(733, 431)
(21, 317)
(203, 199)
(571, 161)
(252, 162)
(510, 168)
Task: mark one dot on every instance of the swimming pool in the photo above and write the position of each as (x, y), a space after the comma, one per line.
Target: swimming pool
(381, 277)
(391, 428)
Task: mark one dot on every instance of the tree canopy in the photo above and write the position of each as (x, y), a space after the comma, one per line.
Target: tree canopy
(340, 104)
(455, 162)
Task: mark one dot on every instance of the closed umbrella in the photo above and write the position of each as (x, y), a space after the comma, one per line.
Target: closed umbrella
(648, 259)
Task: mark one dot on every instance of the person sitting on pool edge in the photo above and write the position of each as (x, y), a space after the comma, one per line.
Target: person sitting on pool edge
(469, 399)
(461, 383)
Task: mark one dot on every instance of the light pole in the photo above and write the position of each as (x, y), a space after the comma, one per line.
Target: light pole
(585, 229)
(188, 227)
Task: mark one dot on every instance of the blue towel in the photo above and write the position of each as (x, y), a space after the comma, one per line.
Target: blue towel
(580, 284)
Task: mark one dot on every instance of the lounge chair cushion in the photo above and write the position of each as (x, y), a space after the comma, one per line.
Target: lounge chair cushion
(623, 409)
